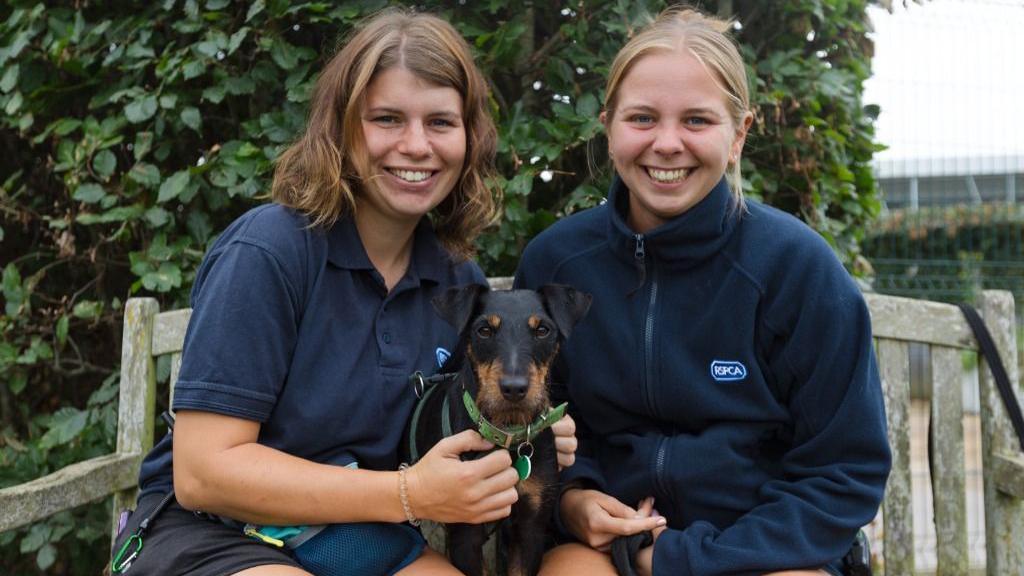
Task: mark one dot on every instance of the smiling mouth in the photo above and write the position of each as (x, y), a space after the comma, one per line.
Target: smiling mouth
(411, 175)
(667, 176)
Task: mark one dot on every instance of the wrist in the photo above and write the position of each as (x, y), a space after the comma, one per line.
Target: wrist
(405, 497)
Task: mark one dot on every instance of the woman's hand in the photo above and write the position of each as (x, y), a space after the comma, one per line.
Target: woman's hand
(565, 441)
(443, 488)
(645, 556)
(596, 518)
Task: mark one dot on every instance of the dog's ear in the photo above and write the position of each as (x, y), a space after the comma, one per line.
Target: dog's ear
(565, 305)
(456, 304)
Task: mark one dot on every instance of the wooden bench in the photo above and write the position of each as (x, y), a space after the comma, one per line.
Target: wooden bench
(897, 322)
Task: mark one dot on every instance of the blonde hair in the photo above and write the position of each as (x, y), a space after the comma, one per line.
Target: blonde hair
(321, 173)
(707, 38)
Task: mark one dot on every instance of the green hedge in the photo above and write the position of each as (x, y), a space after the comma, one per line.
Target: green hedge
(131, 132)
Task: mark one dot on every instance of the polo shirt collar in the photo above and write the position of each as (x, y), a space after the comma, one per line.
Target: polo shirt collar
(345, 250)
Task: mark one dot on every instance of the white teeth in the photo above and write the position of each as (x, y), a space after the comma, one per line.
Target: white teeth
(668, 175)
(411, 175)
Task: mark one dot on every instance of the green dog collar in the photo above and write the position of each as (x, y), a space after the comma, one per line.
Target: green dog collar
(518, 434)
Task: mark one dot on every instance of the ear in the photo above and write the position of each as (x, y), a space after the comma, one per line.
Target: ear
(740, 138)
(456, 304)
(566, 305)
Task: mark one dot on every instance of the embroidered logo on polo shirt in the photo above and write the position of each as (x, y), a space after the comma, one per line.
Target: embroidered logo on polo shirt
(728, 370)
(442, 356)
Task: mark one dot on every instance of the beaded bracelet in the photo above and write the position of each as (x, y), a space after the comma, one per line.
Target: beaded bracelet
(403, 495)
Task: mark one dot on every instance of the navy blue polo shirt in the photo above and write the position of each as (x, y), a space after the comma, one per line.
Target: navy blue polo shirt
(292, 327)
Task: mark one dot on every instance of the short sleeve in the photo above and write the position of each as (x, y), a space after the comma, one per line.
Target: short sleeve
(241, 335)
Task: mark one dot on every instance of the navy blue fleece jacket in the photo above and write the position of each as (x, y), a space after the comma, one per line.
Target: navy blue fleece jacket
(725, 368)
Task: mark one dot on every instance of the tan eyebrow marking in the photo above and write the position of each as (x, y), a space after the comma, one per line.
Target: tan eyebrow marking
(534, 321)
(494, 320)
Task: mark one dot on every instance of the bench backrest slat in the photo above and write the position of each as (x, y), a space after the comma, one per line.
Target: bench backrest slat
(897, 508)
(1004, 514)
(947, 461)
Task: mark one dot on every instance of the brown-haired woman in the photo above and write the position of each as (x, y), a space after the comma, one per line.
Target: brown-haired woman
(310, 313)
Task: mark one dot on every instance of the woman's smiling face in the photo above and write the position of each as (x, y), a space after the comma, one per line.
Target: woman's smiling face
(415, 143)
(670, 136)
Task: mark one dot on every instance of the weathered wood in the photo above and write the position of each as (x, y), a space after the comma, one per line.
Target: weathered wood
(175, 369)
(918, 321)
(947, 459)
(169, 331)
(1004, 514)
(71, 486)
(500, 282)
(897, 511)
(137, 394)
(1009, 474)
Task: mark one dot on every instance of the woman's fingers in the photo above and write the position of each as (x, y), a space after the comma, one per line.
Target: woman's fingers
(565, 441)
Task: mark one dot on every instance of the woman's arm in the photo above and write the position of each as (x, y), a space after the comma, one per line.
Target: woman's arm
(220, 468)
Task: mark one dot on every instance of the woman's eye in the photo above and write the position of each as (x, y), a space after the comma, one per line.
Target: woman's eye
(542, 331)
(697, 121)
(441, 123)
(485, 331)
(385, 119)
(642, 119)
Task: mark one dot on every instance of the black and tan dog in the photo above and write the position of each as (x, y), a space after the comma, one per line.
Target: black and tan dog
(496, 382)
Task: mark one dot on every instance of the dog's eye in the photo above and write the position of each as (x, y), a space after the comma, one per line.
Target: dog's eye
(485, 331)
(542, 331)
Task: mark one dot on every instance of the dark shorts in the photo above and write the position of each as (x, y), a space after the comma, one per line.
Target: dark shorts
(180, 542)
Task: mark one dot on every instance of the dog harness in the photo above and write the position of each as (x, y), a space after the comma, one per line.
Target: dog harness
(520, 436)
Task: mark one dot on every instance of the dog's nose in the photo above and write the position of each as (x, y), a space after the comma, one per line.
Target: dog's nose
(513, 388)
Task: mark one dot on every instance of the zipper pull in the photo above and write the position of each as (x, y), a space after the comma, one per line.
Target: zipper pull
(252, 532)
(639, 252)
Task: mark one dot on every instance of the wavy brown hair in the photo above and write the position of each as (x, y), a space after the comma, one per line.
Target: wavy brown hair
(321, 174)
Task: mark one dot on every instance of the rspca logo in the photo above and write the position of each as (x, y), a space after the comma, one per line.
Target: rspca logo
(728, 370)
(442, 356)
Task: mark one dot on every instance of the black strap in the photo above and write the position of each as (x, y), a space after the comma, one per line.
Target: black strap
(624, 549)
(995, 364)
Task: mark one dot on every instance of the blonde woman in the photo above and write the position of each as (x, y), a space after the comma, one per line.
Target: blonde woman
(723, 381)
(310, 313)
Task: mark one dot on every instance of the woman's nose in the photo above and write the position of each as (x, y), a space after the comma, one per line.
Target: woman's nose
(668, 140)
(414, 141)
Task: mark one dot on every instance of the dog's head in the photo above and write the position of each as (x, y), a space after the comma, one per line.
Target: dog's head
(510, 338)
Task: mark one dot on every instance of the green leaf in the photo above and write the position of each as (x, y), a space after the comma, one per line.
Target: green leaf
(254, 9)
(237, 38)
(284, 54)
(214, 94)
(38, 535)
(89, 193)
(143, 144)
(173, 186)
(87, 310)
(61, 330)
(141, 109)
(193, 69)
(17, 382)
(168, 101)
(10, 78)
(239, 86)
(104, 163)
(66, 126)
(14, 104)
(217, 4)
(145, 174)
(164, 279)
(157, 216)
(65, 426)
(190, 117)
(46, 556)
